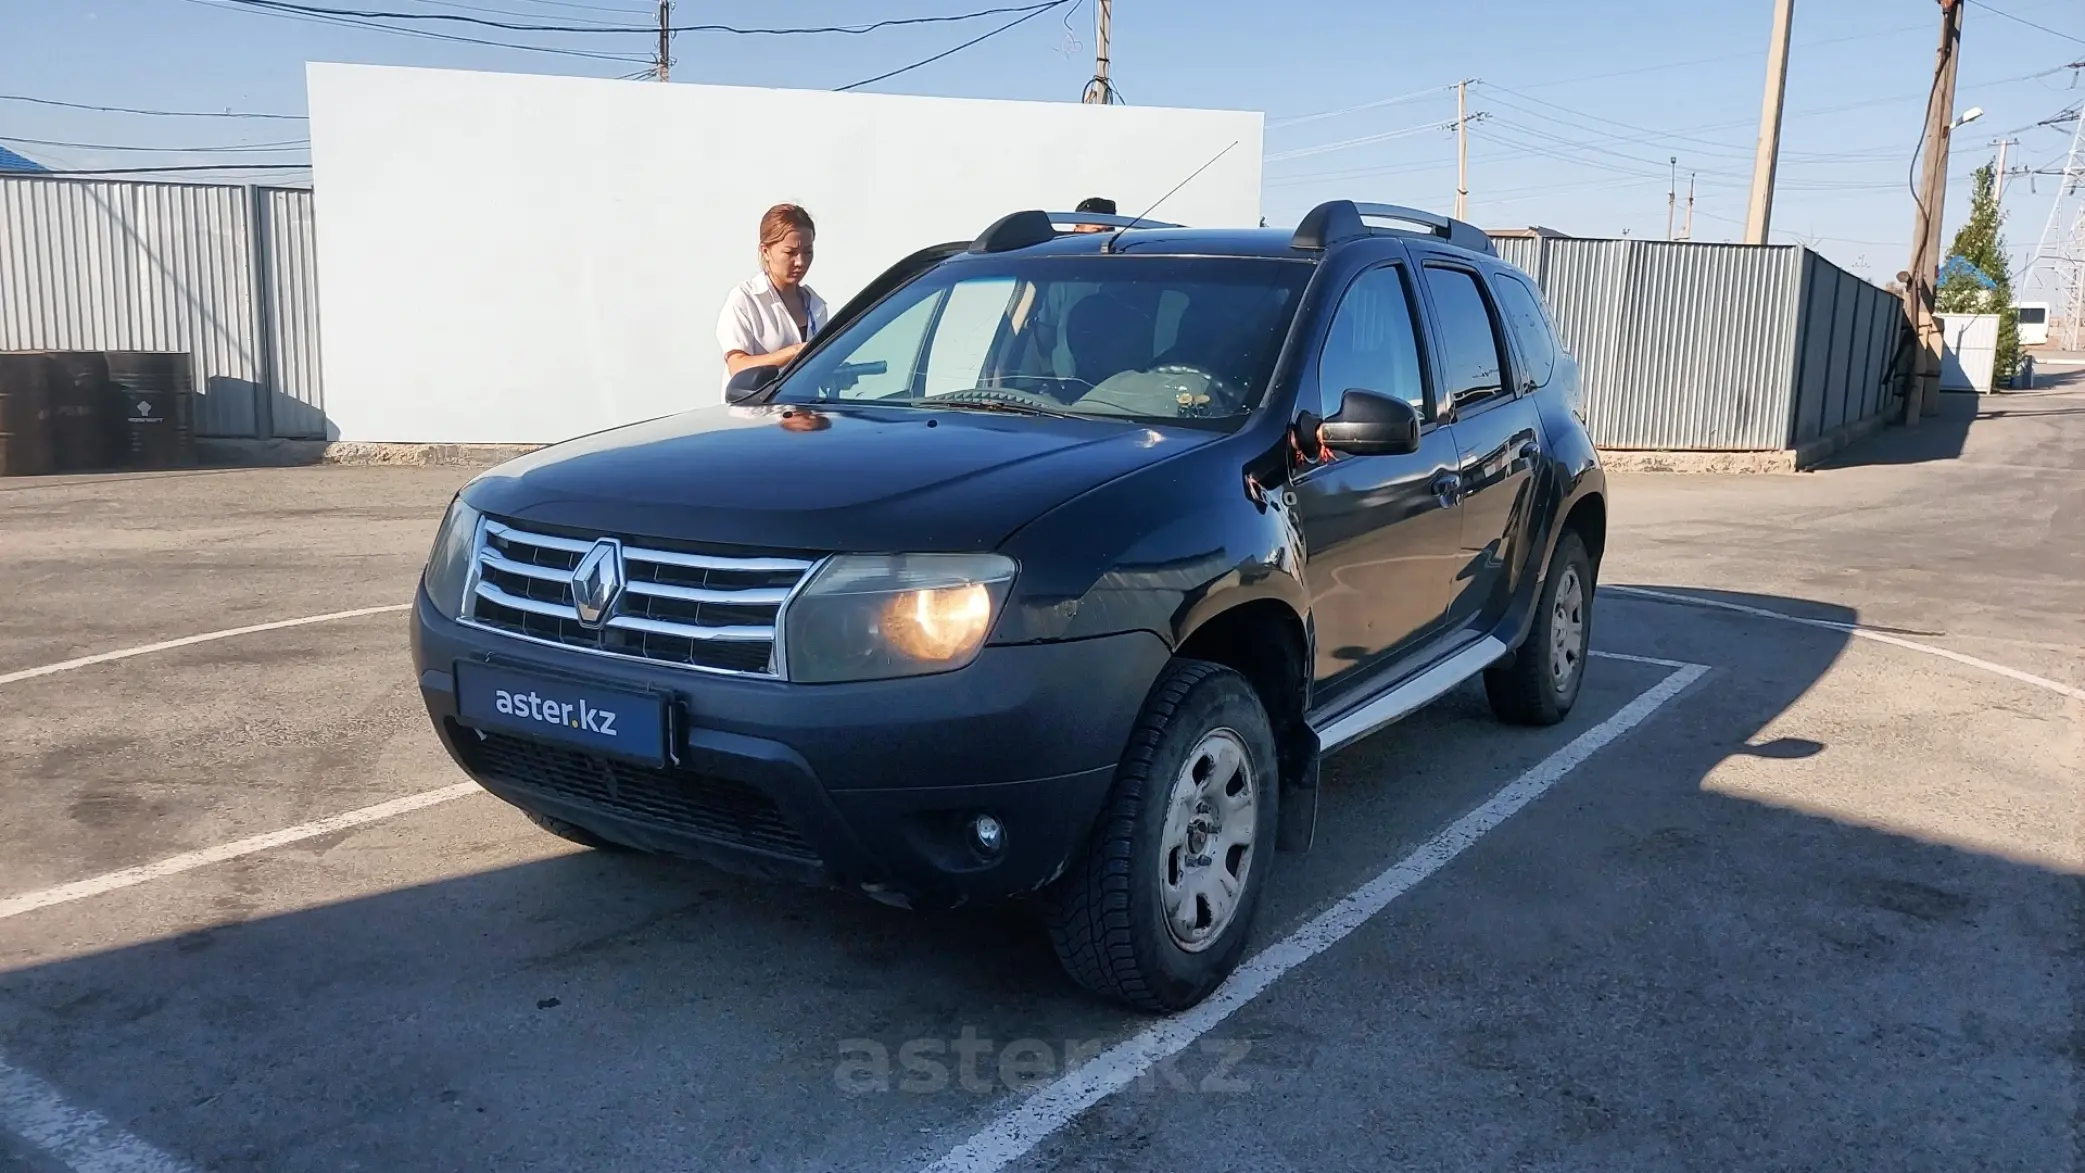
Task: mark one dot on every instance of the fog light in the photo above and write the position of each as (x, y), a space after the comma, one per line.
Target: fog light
(987, 835)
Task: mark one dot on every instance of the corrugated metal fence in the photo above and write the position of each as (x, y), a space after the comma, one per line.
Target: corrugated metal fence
(1681, 346)
(1715, 347)
(222, 272)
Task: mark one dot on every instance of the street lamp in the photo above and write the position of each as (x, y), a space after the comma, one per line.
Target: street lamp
(1968, 116)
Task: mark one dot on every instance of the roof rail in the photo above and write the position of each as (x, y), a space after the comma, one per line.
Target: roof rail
(1337, 220)
(1029, 228)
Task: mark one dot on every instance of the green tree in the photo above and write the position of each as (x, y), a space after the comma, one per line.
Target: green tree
(1981, 242)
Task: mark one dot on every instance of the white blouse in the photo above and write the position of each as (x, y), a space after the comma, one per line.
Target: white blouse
(756, 320)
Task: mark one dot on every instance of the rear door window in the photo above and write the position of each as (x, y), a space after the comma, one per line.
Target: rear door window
(1473, 363)
(1522, 309)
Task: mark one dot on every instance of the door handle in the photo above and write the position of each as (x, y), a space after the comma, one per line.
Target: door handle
(1447, 488)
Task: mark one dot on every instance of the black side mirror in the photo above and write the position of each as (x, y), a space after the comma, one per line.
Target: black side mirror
(1369, 424)
(750, 382)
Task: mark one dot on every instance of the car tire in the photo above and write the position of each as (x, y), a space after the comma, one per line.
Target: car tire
(1539, 683)
(1144, 916)
(573, 832)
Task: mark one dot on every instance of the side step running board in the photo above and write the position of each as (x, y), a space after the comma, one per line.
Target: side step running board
(1413, 694)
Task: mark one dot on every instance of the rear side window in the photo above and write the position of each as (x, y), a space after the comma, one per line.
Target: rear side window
(1530, 326)
(1372, 345)
(1475, 360)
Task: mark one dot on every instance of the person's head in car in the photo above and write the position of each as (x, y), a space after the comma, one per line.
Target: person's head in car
(1094, 206)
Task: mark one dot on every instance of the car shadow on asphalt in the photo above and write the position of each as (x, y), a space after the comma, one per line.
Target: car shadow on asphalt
(600, 1010)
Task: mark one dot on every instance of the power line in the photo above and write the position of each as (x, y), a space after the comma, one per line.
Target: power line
(1551, 152)
(344, 22)
(1037, 11)
(576, 7)
(2022, 20)
(166, 169)
(1733, 150)
(1747, 55)
(1649, 135)
(234, 148)
(152, 113)
(1597, 149)
(516, 27)
(1415, 95)
(1798, 158)
(460, 6)
(1344, 144)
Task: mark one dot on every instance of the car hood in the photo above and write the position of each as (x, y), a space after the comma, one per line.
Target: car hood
(824, 478)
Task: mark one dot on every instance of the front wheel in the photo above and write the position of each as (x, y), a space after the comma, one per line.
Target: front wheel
(1157, 911)
(1539, 682)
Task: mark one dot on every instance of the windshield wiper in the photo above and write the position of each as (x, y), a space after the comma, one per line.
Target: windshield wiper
(1011, 408)
(954, 400)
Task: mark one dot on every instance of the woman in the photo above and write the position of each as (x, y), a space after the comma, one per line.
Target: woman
(767, 319)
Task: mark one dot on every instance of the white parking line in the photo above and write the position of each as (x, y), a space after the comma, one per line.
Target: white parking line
(83, 1140)
(1856, 630)
(1651, 660)
(175, 865)
(87, 1143)
(186, 640)
(1057, 1104)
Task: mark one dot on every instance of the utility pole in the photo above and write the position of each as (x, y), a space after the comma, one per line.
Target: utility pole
(1768, 156)
(2055, 268)
(1672, 195)
(665, 61)
(2072, 183)
(1690, 206)
(1100, 91)
(1922, 396)
(1998, 180)
(1462, 149)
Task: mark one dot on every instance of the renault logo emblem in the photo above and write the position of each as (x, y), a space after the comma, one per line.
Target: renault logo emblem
(597, 582)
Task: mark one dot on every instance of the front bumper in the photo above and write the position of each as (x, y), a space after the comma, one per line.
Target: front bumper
(867, 786)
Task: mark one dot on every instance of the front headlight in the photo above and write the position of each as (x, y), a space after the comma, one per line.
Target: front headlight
(448, 571)
(875, 617)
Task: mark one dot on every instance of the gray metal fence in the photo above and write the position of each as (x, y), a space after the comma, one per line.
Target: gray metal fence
(1714, 347)
(1681, 346)
(222, 272)
(1849, 338)
(289, 256)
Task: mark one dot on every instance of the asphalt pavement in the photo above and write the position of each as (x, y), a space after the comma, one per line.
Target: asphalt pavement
(1818, 908)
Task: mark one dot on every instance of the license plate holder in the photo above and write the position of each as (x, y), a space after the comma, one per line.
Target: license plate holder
(587, 715)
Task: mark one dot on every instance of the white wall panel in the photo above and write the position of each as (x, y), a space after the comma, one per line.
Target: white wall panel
(518, 258)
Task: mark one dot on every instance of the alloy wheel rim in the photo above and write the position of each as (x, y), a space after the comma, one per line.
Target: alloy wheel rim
(1212, 816)
(1567, 631)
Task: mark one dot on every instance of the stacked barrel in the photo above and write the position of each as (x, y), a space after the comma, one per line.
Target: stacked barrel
(92, 411)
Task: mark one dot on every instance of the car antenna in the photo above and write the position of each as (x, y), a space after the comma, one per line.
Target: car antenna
(1108, 245)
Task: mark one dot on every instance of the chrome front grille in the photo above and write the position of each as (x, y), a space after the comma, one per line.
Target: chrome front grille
(704, 609)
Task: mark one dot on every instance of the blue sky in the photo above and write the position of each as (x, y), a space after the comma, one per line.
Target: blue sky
(1583, 103)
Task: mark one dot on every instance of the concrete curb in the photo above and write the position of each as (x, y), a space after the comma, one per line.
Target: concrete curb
(1634, 460)
(1802, 458)
(1816, 452)
(292, 453)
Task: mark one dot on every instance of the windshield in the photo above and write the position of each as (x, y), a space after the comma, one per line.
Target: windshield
(1150, 338)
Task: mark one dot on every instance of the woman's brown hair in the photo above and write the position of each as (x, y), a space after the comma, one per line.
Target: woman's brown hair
(782, 219)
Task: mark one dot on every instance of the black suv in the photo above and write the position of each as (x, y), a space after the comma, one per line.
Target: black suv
(1048, 571)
